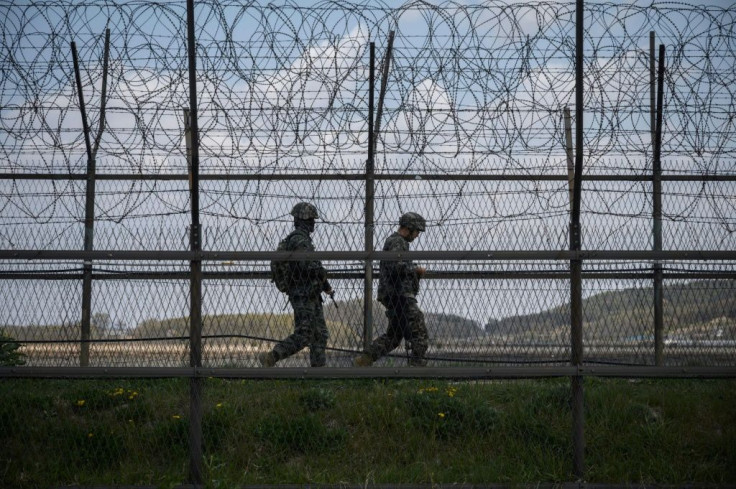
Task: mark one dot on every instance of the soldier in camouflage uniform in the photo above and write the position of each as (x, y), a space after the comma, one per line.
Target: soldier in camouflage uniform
(308, 281)
(397, 290)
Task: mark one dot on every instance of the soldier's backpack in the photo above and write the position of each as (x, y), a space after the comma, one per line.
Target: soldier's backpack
(280, 270)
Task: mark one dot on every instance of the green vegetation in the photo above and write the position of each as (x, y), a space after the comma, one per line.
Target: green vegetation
(9, 354)
(364, 431)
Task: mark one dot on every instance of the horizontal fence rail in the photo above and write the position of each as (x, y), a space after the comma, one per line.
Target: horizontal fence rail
(450, 255)
(361, 177)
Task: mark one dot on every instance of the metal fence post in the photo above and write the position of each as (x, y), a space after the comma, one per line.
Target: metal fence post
(369, 207)
(89, 206)
(570, 155)
(89, 222)
(576, 266)
(195, 326)
(373, 131)
(657, 217)
(385, 68)
(652, 87)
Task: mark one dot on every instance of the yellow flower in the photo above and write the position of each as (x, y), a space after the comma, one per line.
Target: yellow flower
(219, 405)
(80, 402)
(176, 416)
(441, 415)
(90, 435)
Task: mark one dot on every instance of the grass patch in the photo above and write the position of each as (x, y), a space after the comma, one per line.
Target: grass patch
(302, 434)
(56, 432)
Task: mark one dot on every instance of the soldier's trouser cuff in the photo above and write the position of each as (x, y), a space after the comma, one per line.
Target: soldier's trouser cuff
(373, 352)
(279, 353)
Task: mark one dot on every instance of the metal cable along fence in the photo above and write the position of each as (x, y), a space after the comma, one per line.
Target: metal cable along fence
(150, 158)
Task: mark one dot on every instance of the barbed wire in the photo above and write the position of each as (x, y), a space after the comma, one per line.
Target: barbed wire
(284, 88)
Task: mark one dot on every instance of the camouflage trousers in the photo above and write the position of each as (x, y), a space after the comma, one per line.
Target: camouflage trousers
(405, 321)
(310, 330)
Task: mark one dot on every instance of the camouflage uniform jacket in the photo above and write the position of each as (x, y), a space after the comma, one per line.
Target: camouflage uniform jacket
(398, 278)
(308, 277)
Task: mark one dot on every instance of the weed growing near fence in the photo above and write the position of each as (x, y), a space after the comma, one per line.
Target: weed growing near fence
(9, 354)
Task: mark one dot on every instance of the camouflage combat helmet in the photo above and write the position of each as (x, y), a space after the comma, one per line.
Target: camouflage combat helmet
(412, 221)
(304, 210)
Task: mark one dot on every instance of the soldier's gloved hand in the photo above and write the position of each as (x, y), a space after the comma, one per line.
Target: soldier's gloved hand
(331, 293)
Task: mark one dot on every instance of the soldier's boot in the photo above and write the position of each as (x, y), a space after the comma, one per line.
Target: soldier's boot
(363, 360)
(415, 353)
(267, 359)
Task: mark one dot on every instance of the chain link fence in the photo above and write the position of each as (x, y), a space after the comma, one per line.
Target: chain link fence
(120, 336)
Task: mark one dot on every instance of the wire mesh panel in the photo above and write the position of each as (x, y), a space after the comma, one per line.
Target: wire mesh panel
(461, 318)
(140, 323)
(141, 215)
(45, 317)
(39, 214)
(711, 218)
(701, 328)
(131, 322)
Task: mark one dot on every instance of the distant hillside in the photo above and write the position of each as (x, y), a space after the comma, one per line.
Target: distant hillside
(68, 331)
(438, 325)
(701, 309)
(689, 309)
(252, 327)
(344, 322)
